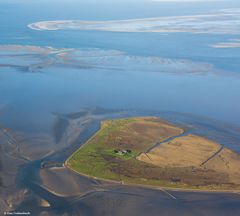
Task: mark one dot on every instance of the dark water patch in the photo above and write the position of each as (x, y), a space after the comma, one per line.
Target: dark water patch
(112, 200)
(75, 115)
(60, 126)
(221, 132)
(62, 155)
(1, 168)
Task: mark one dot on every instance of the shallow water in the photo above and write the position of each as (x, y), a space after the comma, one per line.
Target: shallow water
(51, 108)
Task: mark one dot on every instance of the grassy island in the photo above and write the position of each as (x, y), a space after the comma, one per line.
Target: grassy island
(128, 150)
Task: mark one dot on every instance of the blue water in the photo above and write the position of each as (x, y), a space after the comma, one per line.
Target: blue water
(31, 104)
(37, 96)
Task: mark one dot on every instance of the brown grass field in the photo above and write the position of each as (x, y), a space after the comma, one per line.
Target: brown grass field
(185, 161)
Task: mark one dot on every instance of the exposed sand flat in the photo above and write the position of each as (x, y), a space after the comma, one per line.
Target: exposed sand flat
(218, 22)
(74, 184)
(31, 49)
(196, 152)
(226, 45)
(38, 58)
(44, 203)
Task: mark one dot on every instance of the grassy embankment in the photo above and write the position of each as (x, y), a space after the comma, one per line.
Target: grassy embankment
(97, 158)
(184, 162)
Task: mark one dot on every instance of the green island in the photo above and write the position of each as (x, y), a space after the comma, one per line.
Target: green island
(150, 151)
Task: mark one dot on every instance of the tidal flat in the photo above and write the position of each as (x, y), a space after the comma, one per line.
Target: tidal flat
(211, 23)
(49, 188)
(108, 62)
(48, 131)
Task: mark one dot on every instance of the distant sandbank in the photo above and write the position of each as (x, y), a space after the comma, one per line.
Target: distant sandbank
(218, 22)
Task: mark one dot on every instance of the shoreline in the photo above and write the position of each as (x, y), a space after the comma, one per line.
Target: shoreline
(177, 189)
(158, 24)
(149, 186)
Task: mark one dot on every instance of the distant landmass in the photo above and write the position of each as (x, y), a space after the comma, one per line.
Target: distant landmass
(217, 22)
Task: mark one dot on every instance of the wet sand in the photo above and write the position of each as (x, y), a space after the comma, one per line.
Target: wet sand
(59, 191)
(211, 23)
(100, 198)
(36, 59)
(44, 90)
